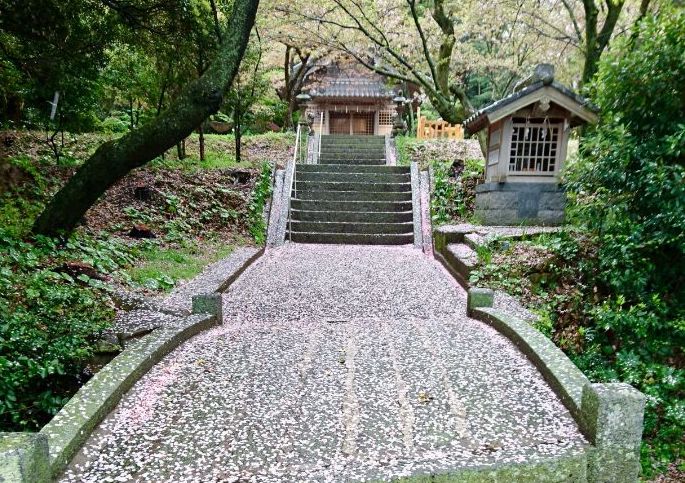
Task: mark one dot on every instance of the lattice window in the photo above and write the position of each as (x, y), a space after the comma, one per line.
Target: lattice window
(362, 123)
(534, 147)
(385, 118)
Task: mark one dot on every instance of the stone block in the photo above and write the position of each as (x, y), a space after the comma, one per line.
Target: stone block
(612, 417)
(552, 200)
(497, 200)
(497, 217)
(479, 297)
(550, 217)
(520, 203)
(24, 458)
(209, 303)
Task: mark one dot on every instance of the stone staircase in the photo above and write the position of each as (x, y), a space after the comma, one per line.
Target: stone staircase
(351, 196)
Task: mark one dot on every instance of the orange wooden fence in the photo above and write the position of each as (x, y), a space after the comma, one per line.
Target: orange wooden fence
(438, 129)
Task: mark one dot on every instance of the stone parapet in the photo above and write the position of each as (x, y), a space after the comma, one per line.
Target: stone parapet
(609, 415)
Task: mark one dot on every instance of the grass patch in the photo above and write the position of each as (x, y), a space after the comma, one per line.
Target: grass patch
(163, 268)
(403, 146)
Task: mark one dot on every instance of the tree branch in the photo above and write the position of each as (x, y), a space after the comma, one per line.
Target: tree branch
(114, 159)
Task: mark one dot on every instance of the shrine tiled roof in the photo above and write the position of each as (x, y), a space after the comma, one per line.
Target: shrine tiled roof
(541, 83)
(348, 88)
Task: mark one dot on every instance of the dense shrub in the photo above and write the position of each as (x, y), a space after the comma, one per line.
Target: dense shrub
(630, 195)
(453, 195)
(50, 320)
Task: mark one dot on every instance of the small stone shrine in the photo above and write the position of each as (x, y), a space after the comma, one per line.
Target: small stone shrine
(527, 139)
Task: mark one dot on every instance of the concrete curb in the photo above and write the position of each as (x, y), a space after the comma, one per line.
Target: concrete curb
(610, 415)
(70, 428)
(416, 204)
(278, 218)
(390, 151)
(239, 271)
(273, 227)
(425, 190)
(24, 458)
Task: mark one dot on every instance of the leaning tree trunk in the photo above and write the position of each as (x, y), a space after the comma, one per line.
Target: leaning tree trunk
(201, 130)
(114, 159)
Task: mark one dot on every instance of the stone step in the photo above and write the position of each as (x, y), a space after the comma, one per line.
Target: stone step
(351, 186)
(462, 259)
(353, 216)
(342, 139)
(473, 240)
(353, 150)
(351, 155)
(349, 227)
(360, 146)
(354, 146)
(376, 162)
(370, 206)
(355, 195)
(351, 168)
(352, 238)
(353, 177)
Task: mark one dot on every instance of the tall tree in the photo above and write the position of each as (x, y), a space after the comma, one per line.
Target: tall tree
(249, 85)
(585, 25)
(114, 159)
(341, 24)
(294, 72)
(437, 45)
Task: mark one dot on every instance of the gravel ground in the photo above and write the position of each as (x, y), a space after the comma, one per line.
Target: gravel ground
(334, 363)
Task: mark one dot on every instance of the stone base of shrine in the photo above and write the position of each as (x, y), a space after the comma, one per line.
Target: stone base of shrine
(512, 204)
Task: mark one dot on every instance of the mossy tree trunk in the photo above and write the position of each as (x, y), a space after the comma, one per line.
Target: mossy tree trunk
(114, 159)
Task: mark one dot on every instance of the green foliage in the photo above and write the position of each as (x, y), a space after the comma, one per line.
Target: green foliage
(452, 197)
(162, 268)
(454, 182)
(613, 295)
(630, 195)
(50, 320)
(260, 194)
(19, 205)
(268, 112)
(60, 51)
(403, 146)
(496, 269)
(444, 197)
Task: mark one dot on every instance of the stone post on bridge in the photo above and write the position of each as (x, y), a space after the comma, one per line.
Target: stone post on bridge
(613, 416)
(24, 458)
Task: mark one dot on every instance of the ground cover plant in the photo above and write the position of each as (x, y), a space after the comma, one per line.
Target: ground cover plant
(56, 293)
(456, 166)
(52, 310)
